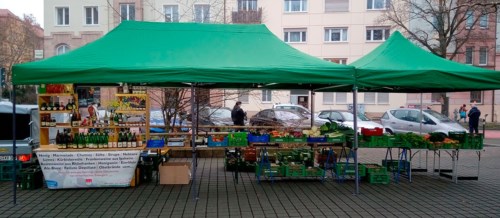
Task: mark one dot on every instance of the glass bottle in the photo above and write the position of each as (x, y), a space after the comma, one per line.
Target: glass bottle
(134, 141)
(69, 106)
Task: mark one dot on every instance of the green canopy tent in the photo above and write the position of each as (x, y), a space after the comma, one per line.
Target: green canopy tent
(398, 65)
(188, 54)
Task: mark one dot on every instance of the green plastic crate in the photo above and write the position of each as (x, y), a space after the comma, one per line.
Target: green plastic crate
(295, 170)
(338, 139)
(238, 142)
(276, 170)
(392, 165)
(238, 135)
(379, 178)
(375, 168)
(314, 171)
(6, 170)
(297, 140)
(279, 139)
(350, 169)
(31, 179)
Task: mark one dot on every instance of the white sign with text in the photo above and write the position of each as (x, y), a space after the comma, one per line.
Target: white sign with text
(87, 169)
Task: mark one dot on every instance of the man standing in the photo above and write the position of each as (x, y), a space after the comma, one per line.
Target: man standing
(473, 115)
(238, 115)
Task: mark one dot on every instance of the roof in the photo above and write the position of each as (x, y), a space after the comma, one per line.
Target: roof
(398, 65)
(173, 54)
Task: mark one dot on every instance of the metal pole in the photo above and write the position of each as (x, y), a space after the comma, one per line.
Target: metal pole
(312, 107)
(194, 130)
(355, 146)
(14, 168)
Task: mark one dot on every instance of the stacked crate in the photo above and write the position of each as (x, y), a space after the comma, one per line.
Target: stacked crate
(377, 174)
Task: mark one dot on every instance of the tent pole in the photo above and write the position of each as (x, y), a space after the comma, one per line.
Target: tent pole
(355, 146)
(421, 113)
(14, 165)
(312, 107)
(194, 130)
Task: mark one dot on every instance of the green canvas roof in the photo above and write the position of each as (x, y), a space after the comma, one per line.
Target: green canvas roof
(398, 65)
(172, 54)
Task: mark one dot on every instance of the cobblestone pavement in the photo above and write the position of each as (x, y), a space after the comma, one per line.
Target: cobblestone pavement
(429, 195)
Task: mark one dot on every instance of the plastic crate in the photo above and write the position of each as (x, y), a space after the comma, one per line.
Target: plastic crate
(460, 136)
(6, 170)
(316, 139)
(280, 139)
(474, 142)
(338, 139)
(392, 165)
(379, 178)
(258, 138)
(375, 168)
(314, 171)
(275, 170)
(238, 135)
(372, 132)
(350, 170)
(155, 143)
(212, 143)
(31, 178)
(237, 142)
(295, 170)
(297, 140)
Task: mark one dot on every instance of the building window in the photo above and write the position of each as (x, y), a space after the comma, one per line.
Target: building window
(327, 97)
(377, 4)
(295, 5)
(341, 97)
(202, 13)
(295, 35)
(469, 55)
(266, 95)
(171, 13)
(337, 60)
(61, 49)
(336, 5)
(476, 97)
(483, 56)
(369, 97)
(244, 96)
(91, 16)
(62, 16)
(483, 21)
(336, 34)
(127, 11)
(247, 5)
(382, 98)
(377, 33)
(469, 19)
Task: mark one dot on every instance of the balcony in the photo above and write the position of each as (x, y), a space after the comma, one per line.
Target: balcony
(247, 16)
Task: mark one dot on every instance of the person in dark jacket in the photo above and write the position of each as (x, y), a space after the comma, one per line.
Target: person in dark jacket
(473, 115)
(238, 115)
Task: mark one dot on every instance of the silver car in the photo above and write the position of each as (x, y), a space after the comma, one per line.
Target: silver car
(346, 118)
(403, 120)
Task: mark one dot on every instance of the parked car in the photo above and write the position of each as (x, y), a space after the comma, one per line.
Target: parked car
(279, 117)
(294, 107)
(156, 119)
(346, 118)
(403, 120)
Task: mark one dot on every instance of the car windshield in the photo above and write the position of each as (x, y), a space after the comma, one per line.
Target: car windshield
(287, 115)
(221, 113)
(438, 116)
(350, 116)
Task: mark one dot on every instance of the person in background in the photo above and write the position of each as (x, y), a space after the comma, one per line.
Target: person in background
(473, 115)
(238, 115)
(463, 113)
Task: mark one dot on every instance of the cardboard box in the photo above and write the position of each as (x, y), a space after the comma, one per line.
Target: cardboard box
(175, 173)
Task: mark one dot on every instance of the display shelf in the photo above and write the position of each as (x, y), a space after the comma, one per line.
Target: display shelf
(56, 94)
(55, 111)
(130, 111)
(130, 95)
(52, 147)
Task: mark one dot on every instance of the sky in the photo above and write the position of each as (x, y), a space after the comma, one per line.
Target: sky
(20, 7)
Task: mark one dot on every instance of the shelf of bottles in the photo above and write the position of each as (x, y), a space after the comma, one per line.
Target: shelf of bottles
(124, 126)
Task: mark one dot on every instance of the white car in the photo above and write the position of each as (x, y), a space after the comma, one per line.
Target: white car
(346, 118)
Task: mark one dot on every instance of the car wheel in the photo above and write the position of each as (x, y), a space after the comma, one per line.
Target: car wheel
(389, 131)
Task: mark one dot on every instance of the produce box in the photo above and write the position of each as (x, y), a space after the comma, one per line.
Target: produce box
(337, 139)
(274, 170)
(392, 165)
(258, 139)
(217, 141)
(372, 132)
(372, 168)
(175, 173)
(474, 142)
(279, 139)
(379, 178)
(298, 140)
(314, 171)
(31, 178)
(350, 170)
(295, 170)
(312, 139)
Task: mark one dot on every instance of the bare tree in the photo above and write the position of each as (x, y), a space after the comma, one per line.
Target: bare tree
(19, 39)
(441, 26)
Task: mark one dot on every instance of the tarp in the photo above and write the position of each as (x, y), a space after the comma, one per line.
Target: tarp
(398, 65)
(172, 54)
